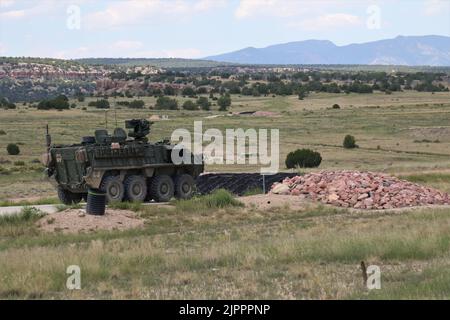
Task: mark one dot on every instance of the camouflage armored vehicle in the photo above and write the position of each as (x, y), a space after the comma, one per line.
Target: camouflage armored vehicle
(124, 166)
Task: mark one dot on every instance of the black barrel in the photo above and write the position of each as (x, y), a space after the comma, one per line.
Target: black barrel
(96, 202)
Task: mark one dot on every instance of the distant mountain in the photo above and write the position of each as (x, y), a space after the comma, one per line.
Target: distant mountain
(157, 62)
(411, 51)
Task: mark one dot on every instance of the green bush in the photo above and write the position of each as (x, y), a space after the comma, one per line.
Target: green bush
(189, 105)
(203, 103)
(19, 163)
(349, 142)
(137, 104)
(336, 106)
(303, 158)
(2, 132)
(100, 104)
(61, 102)
(165, 103)
(224, 102)
(220, 198)
(13, 149)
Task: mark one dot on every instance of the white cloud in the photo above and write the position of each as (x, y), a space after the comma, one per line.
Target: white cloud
(435, 7)
(123, 48)
(328, 21)
(120, 13)
(6, 3)
(282, 8)
(12, 14)
(286, 8)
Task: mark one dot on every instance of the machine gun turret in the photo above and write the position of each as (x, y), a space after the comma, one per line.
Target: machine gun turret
(139, 128)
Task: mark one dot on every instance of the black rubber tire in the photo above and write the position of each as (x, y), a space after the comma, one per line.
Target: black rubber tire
(67, 197)
(96, 202)
(136, 188)
(161, 188)
(184, 186)
(114, 189)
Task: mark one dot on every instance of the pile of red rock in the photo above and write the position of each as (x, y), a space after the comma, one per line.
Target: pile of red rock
(360, 190)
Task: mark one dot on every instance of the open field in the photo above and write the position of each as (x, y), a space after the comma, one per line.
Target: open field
(197, 250)
(401, 133)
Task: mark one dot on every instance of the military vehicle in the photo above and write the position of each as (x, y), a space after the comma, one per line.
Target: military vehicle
(125, 167)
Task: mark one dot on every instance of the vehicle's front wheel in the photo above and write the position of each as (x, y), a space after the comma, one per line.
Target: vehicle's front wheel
(113, 188)
(67, 197)
(161, 188)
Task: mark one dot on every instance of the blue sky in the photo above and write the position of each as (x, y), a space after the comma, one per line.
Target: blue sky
(198, 28)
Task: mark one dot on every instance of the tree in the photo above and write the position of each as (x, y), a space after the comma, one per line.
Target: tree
(349, 142)
(189, 105)
(99, 104)
(303, 158)
(137, 104)
(203, 103)
(169, 91)
(166, 103)
(188, 91)
(224, 102)
(59, 103)
(13, 149)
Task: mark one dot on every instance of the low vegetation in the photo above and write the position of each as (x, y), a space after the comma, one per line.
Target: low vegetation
(349, 142)
(303, 158)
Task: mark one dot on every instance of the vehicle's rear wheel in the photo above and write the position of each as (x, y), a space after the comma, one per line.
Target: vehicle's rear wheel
(136, 188)
(113, 188)
(161, 188)
(67, 197)
(184, 186)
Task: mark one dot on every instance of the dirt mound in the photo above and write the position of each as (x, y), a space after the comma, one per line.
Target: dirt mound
(76, 220)
(360, 190)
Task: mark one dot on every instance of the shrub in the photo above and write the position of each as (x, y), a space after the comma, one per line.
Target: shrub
(2, 132)
(13, 149)
(303, 158)
(188, 91)
(203, 103)
(166, 103)
(218, 199)
(19, 163)
(224, 102)
(59, 103)
(137, 104)
(189, 105)
(100, 104)
(336, 106)
(349, 142)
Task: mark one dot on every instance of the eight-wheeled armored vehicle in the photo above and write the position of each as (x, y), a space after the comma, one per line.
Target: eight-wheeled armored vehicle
(124, 166)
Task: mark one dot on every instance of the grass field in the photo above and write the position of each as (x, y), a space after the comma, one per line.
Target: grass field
(195, 250)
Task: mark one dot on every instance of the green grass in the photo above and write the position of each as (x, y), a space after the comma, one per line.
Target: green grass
(427, 177)
(218, 199)
(213, 247)
(8, 203)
